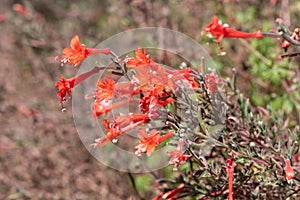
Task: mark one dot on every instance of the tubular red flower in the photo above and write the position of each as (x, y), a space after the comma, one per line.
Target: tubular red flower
(125, 89)
(158, 197)
(158, 78)
(99, 108)
(216, 28)
(141, 58)
(184, 74)
(177, 156)
(148, 142)
(104, 89)
(65, 87)
(289, 171)
(125, 120)
(113, 133)
(119, 126)
(230, 164)
(153, 101)
(170, 194)
(78, 52)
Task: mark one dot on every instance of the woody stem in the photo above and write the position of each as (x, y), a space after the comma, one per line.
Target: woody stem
(282, 35)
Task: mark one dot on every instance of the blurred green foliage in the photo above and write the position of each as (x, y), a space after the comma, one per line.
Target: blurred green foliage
(144, 182)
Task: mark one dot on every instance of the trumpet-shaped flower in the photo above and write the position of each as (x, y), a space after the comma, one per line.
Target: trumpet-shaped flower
(119, 126)
(65, 86)
(113, 133)
(78, 52)
(216, 28)
(148, 142)
(141, 58)
(100, 108)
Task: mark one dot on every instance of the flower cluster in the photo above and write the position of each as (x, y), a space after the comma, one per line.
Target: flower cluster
(150, 84)
(186, 103)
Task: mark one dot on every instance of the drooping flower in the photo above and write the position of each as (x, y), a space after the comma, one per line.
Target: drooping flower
(289, 171)
(230, 164)
(141, 58)
(216, 28)
(78, 52)
(177, 156)
(65, 87)
(104, 89)
(148, 142)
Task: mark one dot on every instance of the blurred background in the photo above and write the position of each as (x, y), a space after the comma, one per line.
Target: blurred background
(41, 155)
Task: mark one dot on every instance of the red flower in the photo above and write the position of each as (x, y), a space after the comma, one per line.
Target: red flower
(289, 171)
(230, 164)
(211, 82)
(177, 156)
(104, 89)
(216, 28)
(20, 9)
(125, 120)
(65, 87)
(125, 89)
(78, 52)
(148, 78)
(119, 126)
(141, 58)
(186, 74)
(148, 142)
(113, 133)
(158, 197)
(153, 101)
(170, 194)
(100, 108)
